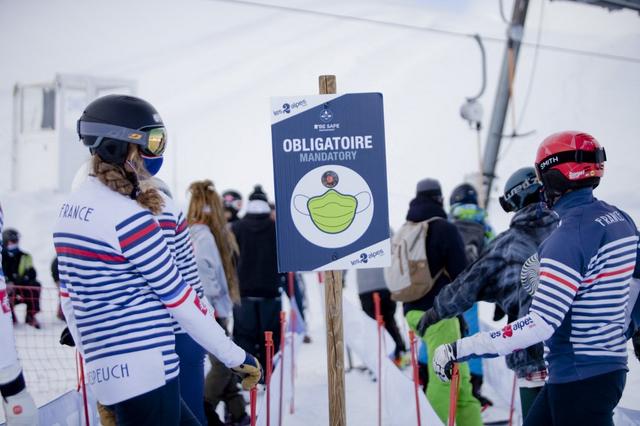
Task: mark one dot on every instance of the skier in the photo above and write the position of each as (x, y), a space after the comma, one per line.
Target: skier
(120, 287)
(232, 205)
(260, 282)
(19, 408)
(471, 221)
(174, 228)
(445, 258)
(495, 276)
(214, 248)
(21, 277)
(578, 309)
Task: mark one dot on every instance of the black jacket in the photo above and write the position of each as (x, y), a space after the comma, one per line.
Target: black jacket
(444, 246)
(258, 263)
(12, 269)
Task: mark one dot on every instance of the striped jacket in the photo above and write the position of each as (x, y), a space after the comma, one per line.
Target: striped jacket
(585, 269)
(121, 291)
(176, 232)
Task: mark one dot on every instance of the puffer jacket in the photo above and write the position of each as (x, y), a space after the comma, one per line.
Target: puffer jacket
(495, 277)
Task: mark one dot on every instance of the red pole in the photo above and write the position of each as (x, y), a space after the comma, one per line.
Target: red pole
(253, 398)
(416, 374)
(84, 391)
(283, 321)
(268, 343)
(292, 318)
(320, 278)
(453, 395)
(513, 400)
(379, 321)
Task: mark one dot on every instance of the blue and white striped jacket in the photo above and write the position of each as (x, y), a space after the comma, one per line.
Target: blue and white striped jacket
(585, 269)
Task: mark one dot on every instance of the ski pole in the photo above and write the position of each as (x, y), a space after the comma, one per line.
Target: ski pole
(416, 374)
(453, 394)
(513, 400)
(84, 390)
(253, 395)
(268, 344)
(283, 321)
(379, 321)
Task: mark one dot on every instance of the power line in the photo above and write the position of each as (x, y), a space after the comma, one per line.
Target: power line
(440, 31)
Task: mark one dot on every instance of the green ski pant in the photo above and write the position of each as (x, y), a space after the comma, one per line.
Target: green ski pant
(468, 407)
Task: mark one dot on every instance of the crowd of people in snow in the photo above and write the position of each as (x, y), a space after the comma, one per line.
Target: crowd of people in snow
(148, 292)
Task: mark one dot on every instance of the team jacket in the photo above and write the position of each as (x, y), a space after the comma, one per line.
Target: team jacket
(176, 233)
(578, 309)
(121, 291)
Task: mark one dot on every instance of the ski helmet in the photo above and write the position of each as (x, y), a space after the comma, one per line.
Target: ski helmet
(569, 160)
(110, 123)
(464, 193)
(10, 235)
(522, 188)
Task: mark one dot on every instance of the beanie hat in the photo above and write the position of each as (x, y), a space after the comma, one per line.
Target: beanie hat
(258, 194)
(429, 186)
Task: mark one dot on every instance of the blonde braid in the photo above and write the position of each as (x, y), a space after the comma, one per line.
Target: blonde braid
(124, 182)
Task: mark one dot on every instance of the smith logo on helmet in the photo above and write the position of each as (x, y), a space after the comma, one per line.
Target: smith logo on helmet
(135, 136)
(548, 162)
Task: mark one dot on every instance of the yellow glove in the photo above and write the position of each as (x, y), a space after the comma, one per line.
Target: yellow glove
(249, 371)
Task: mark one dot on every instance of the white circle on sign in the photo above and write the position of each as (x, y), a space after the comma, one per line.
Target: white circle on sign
(332, 206)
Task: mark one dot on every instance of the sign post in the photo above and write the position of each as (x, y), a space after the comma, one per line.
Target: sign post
(331, 200)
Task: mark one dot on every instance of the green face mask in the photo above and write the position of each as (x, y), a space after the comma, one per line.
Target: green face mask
(332, 212)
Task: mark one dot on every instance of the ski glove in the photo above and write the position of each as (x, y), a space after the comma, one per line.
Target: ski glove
(636, 344)
(66, 338)
(443, 359)
(249, 371)
(20, 409)
(429, 318)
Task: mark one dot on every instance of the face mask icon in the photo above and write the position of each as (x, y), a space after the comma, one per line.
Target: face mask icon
(332, 212)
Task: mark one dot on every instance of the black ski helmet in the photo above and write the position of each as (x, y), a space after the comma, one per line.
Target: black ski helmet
(110, 123)
(522, 188)
(464, 193)
(10, 234)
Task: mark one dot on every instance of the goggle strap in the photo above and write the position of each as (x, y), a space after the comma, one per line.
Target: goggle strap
(579, 156)
(111, 131)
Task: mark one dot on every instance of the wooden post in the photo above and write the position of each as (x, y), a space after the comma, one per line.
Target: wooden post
(333, 302)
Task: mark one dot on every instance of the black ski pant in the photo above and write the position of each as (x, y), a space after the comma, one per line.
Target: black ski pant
(162, 406)
(388, 310)
(588, 402)
(251, 319)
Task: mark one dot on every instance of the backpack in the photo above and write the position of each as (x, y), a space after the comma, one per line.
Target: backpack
(472, 234)
(409, 278)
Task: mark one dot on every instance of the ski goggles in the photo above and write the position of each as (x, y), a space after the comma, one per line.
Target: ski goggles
(153, 141)
(598, 156)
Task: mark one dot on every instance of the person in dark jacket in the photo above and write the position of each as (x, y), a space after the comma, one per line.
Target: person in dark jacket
(476, 233)
(20, 273)
(445, 252)
(260, 301)
(495, 276)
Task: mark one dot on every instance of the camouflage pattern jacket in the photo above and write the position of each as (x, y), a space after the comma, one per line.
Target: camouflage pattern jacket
(495, 277)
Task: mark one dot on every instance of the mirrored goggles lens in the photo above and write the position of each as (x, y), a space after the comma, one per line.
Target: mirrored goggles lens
(156, 141)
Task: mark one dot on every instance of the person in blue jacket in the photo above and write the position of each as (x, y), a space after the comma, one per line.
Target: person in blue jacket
(579, 307)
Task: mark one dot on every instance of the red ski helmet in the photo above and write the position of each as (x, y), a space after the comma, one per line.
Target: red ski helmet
(569, 160)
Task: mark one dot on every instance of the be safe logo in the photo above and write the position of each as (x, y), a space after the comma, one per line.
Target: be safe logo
(287, 108)
(326, 117)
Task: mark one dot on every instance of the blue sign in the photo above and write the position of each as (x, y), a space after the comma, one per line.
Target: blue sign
(331, 182)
